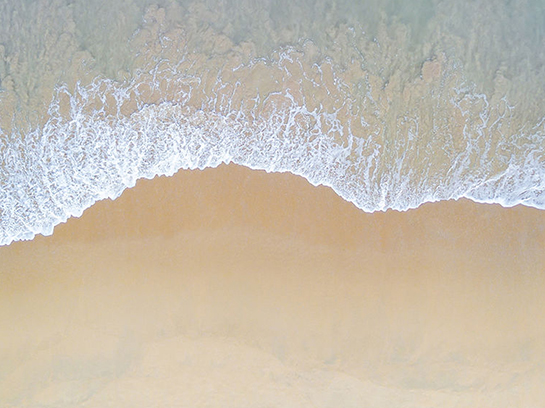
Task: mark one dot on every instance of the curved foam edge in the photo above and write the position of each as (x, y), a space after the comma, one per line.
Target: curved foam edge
(57, 171)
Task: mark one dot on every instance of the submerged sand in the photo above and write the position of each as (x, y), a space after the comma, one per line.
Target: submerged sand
(235, 288)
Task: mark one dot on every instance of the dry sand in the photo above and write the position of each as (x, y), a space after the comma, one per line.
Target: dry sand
(236, 288)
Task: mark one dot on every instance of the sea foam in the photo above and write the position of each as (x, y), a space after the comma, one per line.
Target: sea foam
(386, 123)
(89, 149)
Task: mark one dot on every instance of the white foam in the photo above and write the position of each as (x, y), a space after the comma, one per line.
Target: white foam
(75, 159)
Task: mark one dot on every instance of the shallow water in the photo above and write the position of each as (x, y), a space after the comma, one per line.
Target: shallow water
(391, 105)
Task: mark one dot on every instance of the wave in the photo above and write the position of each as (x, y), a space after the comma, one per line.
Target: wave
(94, 151)
(380, 141)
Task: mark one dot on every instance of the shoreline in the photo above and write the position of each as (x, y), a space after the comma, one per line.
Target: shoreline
(269, 290)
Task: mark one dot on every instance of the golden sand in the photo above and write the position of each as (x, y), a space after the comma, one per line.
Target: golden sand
(235, 288)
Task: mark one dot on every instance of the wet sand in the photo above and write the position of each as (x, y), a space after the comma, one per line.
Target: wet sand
(235, 288)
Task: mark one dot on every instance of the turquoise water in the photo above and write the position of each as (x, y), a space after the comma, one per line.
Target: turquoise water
(392, 104)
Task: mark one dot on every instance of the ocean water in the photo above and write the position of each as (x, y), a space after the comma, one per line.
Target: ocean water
(390, 103)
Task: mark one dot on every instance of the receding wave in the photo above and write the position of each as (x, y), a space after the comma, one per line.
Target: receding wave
(415, 137)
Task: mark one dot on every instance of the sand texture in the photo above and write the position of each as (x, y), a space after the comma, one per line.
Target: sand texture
(235, 288)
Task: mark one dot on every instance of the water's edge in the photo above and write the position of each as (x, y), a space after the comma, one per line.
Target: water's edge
(388, 120)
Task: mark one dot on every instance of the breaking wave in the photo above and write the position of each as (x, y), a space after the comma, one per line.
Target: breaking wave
(394, 141)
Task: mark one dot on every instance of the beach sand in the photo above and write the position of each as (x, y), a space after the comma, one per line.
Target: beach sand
(230, 287)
